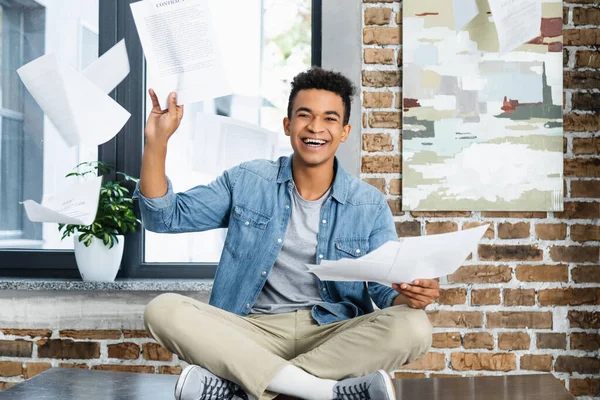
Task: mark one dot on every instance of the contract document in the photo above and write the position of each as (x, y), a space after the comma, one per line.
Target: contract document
(464, 12)
(517, 22)
(77, 103)
(180, 46)
(423, 257)
(221, 143)
(77, 205)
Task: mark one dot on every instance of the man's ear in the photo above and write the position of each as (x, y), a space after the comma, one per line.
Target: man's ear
(346, 132)
(286, 126)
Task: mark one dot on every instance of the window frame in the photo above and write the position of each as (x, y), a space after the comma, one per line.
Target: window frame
(124, 152)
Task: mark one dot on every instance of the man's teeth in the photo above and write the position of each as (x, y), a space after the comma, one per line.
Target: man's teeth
(314, 142)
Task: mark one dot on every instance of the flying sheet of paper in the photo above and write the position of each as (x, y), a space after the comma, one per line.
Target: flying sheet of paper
(79, 108)
(76, 205)
(181, 50)
(424, 257)
(221, 143)
(517, 22)
(464, 12)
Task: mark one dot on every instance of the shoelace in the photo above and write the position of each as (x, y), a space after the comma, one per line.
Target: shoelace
(354, 392)
(221, 389)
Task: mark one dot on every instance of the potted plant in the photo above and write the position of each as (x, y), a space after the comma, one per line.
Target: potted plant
(99, 246)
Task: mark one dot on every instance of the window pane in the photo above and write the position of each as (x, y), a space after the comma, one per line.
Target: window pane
(274, 47)
(34, 158)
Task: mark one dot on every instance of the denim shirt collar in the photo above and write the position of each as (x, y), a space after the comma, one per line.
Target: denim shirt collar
(339, 191)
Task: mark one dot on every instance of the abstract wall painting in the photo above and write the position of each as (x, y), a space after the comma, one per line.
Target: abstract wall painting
(481, 130)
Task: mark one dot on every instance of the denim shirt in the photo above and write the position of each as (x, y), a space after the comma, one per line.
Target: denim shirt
(253, 201)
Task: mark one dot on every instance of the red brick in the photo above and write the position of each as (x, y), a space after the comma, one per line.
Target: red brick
(481, 274)
(452, 319)
(552, 341)
(581, 37)
(585, 189)
(396, 207)
(586, 101)
(7, 385)
(542, 273)
(377, 183)
(518, 230)
(377, 16)
(66, 348)
(169, 369)
(146, 369)
(431, 361)
(580, 210)
(509, 253)
(434, 228)
(586, 16)
(377, 142)
(440, 214)
(585, 341)
(551, 231)
(91, 334)
(519, 297)
(536, 362)
(408, 228)
(379, 56)
(575, 254)
(15, 348)
(35, 368)
(127, 351)
(519, 319)
(446, 340)
(155, 352)
(584, 387)
(381, 164)
(584, 319)
(582, 167)
(513, 341)
(27, 332)
(69, 365)
(581, 122)
(409, 375)
(569, 296)
(385, 119)
(585, 233)
(381, 79)
(485, 297)
(582, 365)
(396, 187)
(11, 368)
(586, 146)
(489, 233)
(453, 296)
(483, 361)
(587, 58)
(581, 80)
(586, 274)
(478, 340)
(382, 36)
(378, 100)
(513, 214)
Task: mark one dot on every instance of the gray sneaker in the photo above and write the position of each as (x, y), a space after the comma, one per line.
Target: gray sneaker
(375, 386)
(197, 383)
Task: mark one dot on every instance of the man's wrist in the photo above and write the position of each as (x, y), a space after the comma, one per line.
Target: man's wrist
(399, 300)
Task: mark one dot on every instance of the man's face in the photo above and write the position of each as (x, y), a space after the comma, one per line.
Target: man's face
(316, 126)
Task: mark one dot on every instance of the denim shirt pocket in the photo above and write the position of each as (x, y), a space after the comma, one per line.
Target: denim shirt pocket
(351, 248)
(246, 229)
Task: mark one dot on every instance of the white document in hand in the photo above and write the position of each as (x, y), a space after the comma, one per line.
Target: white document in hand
(78, 106)
(221, 143)
(423, 257)
(76, 205)
(180, 46)
(464, 12)
(517, 22)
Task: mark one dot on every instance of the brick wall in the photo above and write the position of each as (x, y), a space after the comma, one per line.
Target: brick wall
(527, 301)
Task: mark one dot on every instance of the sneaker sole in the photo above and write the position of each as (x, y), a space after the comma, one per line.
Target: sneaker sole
(389, 385)
(181, 381)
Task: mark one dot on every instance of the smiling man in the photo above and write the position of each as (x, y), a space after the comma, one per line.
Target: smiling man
(271, 327)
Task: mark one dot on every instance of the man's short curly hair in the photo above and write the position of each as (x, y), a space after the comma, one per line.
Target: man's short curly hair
(318, 78)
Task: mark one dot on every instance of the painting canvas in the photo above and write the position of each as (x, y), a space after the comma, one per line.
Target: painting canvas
(481, 130)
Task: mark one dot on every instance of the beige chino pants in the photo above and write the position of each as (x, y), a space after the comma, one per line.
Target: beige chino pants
(251, 350)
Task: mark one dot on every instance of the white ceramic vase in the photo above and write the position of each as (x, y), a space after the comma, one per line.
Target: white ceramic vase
(98, 263)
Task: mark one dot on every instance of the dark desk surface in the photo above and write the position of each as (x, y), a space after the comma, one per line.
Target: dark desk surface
(77, 384)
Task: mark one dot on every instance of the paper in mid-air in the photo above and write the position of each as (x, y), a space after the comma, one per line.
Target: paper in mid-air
(180, 46)
(77, 204)
(221, 143)
(517, 22)
(423, 257)
(77, 103)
